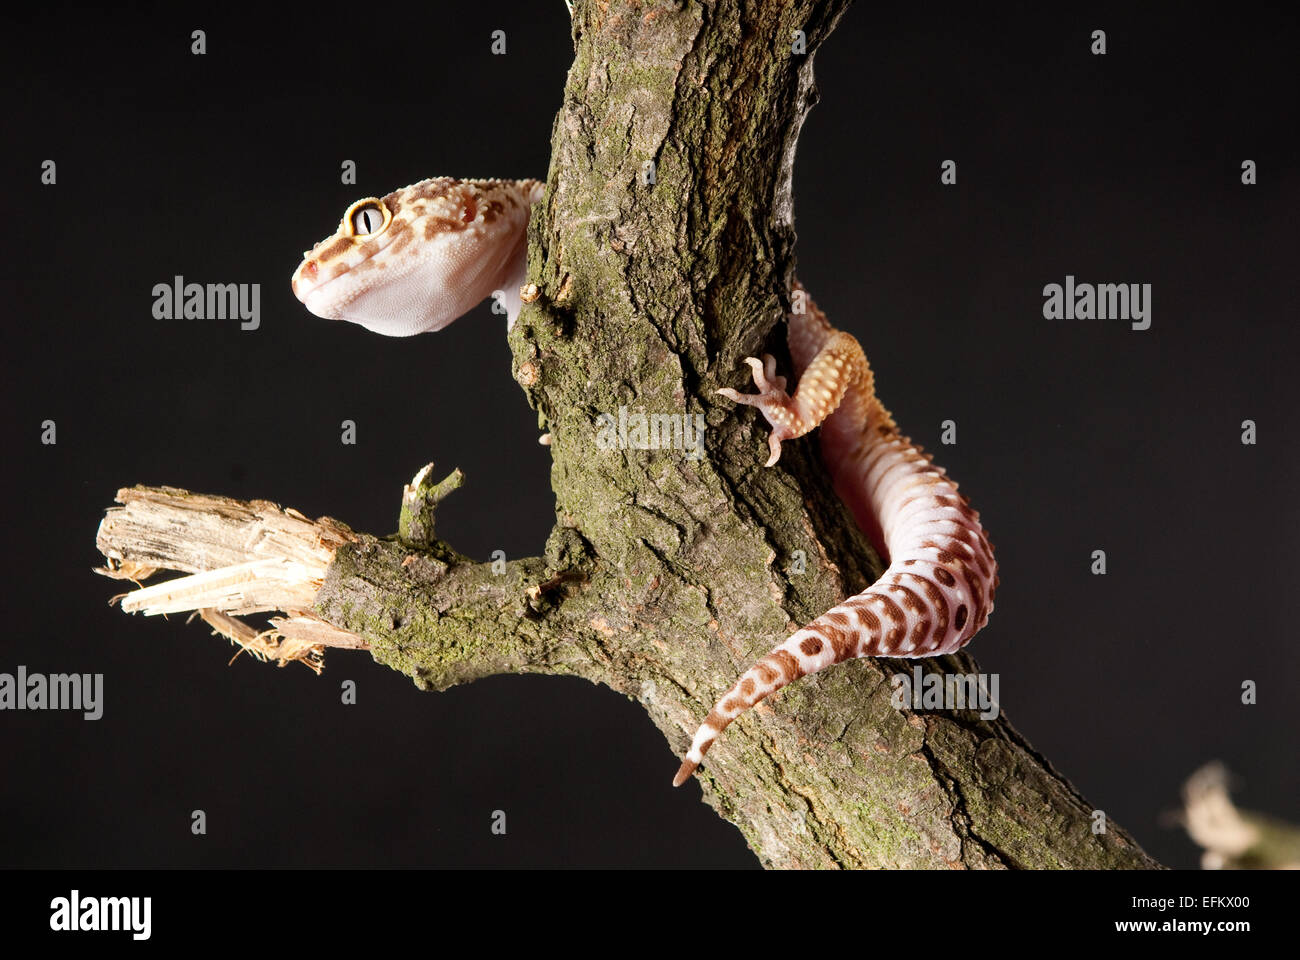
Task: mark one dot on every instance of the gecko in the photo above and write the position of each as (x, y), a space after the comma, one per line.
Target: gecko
(418, 258)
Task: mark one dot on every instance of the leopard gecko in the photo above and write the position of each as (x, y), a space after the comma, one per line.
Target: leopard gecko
(418, 258)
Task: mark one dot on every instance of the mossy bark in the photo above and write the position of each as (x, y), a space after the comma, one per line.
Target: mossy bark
(667, 574)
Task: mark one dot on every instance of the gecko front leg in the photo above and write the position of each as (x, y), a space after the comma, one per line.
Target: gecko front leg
(938, 589)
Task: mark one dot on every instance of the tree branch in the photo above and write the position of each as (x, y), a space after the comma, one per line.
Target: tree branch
(662, 254)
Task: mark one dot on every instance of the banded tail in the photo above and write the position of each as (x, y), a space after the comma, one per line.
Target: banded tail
(937, 592)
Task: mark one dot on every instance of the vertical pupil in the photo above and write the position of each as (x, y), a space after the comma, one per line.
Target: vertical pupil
(367, 220)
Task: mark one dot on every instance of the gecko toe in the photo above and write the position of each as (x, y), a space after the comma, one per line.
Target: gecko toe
(774, 445)
(760, 376)
(731, 394)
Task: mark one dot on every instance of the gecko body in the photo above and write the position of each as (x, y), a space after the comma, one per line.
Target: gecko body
(937, 591)
(418, 258)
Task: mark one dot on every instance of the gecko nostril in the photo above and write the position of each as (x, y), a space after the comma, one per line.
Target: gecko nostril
(309, 270)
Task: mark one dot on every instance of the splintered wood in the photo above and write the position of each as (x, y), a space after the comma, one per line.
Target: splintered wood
(242, 557)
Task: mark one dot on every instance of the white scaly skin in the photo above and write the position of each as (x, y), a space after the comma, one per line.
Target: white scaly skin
(420, 257)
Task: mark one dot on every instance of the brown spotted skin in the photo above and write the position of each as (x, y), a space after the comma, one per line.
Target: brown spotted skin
(937, 592)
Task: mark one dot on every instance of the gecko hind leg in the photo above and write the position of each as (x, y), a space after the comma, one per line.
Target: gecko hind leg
(837, 366)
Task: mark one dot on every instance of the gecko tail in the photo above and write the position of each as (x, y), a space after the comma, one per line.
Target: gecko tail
(804, 652)
(684, 772)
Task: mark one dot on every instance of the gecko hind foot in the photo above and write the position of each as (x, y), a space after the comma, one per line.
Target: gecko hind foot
(771, 400)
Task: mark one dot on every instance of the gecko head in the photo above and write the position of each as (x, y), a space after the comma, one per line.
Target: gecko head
(420, 257)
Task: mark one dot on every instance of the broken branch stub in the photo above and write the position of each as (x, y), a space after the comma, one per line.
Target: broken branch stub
(240, 557)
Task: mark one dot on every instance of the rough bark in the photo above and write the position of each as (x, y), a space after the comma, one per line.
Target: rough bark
(666, 574)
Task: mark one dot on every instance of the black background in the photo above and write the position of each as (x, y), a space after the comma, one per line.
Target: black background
(1073, 435)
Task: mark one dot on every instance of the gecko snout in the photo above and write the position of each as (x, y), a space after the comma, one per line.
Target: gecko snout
(305, 272)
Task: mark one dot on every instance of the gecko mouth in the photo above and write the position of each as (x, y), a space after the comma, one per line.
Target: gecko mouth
(310, 282)
(313, 277)
(311, 290)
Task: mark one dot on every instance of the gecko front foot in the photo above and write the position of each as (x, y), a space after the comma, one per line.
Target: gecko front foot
(772, 401)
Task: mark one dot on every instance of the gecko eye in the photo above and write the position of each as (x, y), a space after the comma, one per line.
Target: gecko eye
(366, 218)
